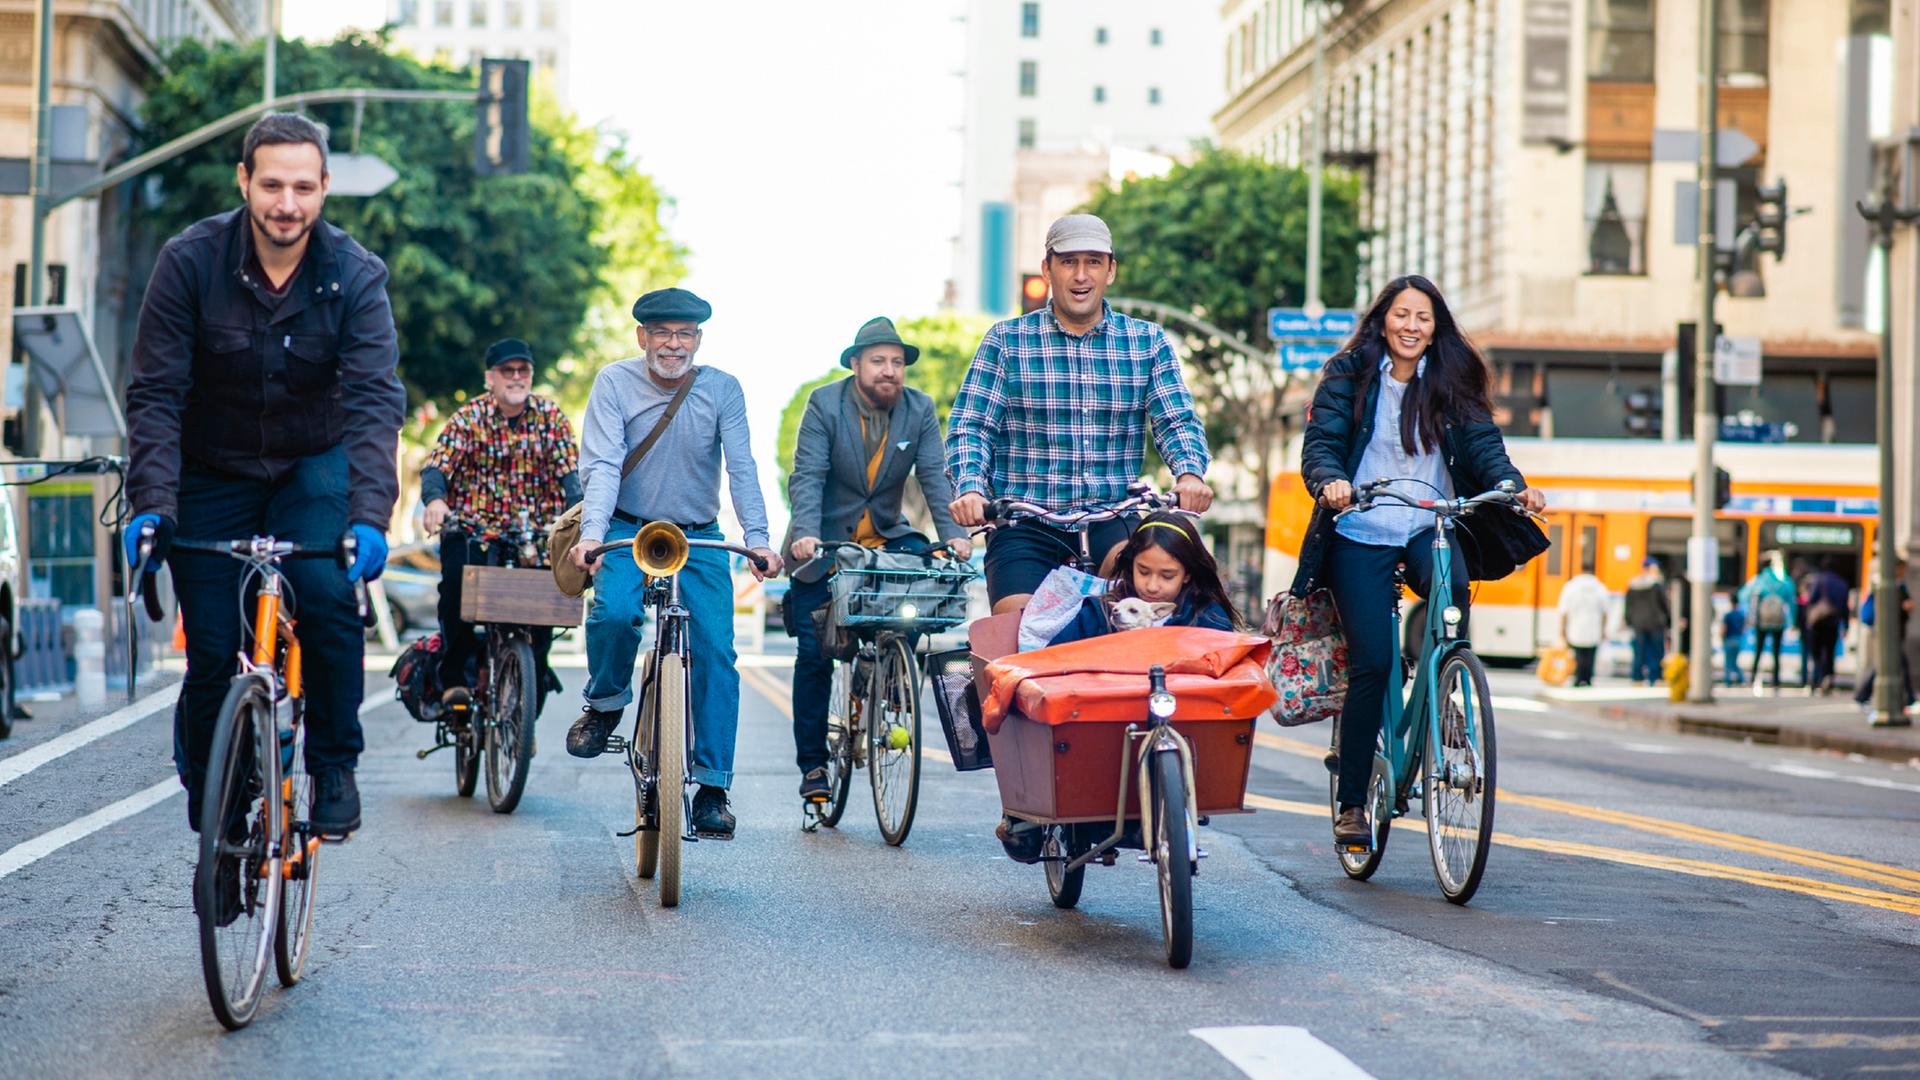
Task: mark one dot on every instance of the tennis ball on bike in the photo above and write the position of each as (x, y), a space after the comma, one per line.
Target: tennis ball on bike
(898, 738)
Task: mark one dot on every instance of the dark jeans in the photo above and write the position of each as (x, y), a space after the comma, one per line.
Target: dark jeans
(457, 551)
(1583, 656)
(309, 507)
(1649, 649)
(1763, 641)
(1823, 637)
(812, 672)
(1360, 577)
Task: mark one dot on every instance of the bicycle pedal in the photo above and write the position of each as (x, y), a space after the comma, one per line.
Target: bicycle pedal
(1355, 849)
(697, 836)
(616, 744)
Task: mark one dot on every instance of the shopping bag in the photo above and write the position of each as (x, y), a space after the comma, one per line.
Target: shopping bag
(1556, 665)
(1309, 661)
(1055, 604)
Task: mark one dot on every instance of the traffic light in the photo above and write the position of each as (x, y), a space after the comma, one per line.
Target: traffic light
(1643, 413)
(1770, 219)
(1033, 293)
(1722, 487)
(500, 136)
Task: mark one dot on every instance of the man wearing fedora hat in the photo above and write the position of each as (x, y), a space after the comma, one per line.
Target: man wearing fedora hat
(860, 439)
(507, 451)
(678, 480)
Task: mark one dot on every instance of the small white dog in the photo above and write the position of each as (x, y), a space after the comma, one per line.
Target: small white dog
(1133, 613)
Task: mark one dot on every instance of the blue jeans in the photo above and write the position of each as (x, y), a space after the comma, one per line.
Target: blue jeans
(1730, 659)
(614, 626)
(812, 672)
(308, 506)
(1649, 649)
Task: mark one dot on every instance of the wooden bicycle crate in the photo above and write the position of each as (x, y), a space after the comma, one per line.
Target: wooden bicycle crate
(498, 594)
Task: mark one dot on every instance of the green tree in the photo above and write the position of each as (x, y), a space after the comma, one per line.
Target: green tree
(472, 259)
(947, 342)
(1223, 239)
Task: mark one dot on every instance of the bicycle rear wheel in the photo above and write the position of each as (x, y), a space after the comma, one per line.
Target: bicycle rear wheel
(510, 718)
(1459, 787)
(1173, 856)
(670, 746)
(1063, 885)
(646, 841)
(466, 759)
(292, 940)
(239, 841)
(893, 739)
(1360, 865)
(843, 729)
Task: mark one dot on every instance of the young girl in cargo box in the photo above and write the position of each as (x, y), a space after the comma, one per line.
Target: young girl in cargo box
(1166, 564)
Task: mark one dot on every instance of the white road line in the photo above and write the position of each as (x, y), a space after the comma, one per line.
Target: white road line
(1548, 733)
(19, 765)
(1652, 748)
(27, 853)
(1807, 772)
(1280, 1053)
(1520, 704)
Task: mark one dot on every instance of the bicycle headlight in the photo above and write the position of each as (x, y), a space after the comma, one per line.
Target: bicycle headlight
(1160, 704)
(909, 612)
(1451, 616)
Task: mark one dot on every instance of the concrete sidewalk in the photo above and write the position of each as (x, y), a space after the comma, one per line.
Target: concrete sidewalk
(1789, 718)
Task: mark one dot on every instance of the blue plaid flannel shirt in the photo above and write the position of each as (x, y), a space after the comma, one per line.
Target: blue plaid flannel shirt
(1061, 420)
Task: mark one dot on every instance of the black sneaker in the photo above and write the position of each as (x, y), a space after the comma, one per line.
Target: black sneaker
(1021, 839)
(588, 735)
(814, 786)
(336, 806)
(226, 891)
(710, 817)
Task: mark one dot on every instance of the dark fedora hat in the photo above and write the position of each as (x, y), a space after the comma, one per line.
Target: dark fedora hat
(878, 331)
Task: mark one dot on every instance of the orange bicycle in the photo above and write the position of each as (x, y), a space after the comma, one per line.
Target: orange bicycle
(259, 746)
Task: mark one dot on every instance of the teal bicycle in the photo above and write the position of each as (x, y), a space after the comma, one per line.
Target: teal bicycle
(1447, 759)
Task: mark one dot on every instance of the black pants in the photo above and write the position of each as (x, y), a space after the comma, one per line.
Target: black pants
(1583, 656)
(457, 552)
(1360, 577)
(812, 672)
(1763, 641)
(1823, 636)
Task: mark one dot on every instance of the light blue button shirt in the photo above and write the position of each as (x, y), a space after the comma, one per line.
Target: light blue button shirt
(1389, 523)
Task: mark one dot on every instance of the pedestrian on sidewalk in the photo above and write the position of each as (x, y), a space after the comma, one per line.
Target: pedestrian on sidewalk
(1863, 695)
(1770, 602)
(1823, 599)
(1733, 627)
(1583, 618)
(1649, 615)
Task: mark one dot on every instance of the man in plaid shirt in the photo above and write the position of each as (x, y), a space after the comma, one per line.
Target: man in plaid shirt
(1056, 409)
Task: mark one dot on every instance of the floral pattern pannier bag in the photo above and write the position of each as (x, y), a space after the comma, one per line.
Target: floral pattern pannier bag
(1309, 661)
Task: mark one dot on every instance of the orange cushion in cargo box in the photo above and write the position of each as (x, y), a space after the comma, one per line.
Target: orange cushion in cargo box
(1211, 673)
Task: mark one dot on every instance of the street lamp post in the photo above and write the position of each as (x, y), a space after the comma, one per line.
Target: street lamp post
(1317, 154)
(1704, 565)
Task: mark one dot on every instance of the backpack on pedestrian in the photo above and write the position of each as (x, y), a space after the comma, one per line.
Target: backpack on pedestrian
(1770, 612)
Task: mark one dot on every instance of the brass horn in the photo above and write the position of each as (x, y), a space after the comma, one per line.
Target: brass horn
(660, 549)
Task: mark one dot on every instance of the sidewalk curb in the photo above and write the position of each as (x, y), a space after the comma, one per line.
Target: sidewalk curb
(1696, 721)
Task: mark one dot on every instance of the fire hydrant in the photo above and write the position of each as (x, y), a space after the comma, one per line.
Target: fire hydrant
(1674, 669)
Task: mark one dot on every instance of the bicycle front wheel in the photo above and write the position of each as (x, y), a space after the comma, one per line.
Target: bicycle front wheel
(670, 751)
(1360, 865)
(292, 940)
(510, 718)
(236, 887)
(843, 727)
(1173, 855)
(1459, 787)
(893, 739)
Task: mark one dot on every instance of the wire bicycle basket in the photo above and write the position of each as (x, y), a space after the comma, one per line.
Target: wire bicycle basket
(895, 591)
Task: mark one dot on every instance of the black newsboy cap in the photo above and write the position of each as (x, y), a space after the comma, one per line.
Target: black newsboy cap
(508, 349)
(663, 305)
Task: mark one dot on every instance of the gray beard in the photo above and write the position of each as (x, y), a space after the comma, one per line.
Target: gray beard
(665, 372)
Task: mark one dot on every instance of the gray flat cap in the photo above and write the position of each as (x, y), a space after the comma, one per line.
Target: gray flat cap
(1080, 232)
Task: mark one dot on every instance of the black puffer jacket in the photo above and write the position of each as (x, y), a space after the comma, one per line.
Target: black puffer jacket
(1494, 544)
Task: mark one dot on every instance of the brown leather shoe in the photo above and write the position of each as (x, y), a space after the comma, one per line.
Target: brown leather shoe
(1350, 829)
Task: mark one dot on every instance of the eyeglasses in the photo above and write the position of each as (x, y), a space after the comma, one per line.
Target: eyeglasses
(515, 371)
(677, 337)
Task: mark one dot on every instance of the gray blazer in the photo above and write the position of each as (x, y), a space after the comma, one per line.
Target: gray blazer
(827, 488)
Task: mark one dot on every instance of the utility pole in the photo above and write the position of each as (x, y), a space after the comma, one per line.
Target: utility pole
(42, 181)
(270, 16)
(1317, 157)
(1703, 550)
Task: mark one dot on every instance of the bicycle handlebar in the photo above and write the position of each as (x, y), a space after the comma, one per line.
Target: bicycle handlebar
(1006, 511)
(1368, 492)
(942, 550)
(267, 549)
(758, 560)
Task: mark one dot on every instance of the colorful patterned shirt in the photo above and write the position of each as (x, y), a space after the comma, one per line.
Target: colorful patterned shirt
(496, 467)
(1061, 419)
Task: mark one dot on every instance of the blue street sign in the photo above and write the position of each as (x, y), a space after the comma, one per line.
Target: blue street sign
(1293, 322)
(1306, 355)
(1736, 431)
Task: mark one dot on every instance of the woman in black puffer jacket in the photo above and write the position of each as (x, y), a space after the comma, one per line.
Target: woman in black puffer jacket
(1406, 398)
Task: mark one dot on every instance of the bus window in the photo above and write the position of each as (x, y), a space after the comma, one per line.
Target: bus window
(1589, 547)
(1835, 545)
(1667, 542)
(1556, 550)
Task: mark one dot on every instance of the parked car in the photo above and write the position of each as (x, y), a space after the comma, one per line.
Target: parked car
(11, 587)
(412, 581)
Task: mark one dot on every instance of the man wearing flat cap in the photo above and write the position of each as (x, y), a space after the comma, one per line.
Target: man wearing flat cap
(860, 439)
(677, 480)
(506, 452)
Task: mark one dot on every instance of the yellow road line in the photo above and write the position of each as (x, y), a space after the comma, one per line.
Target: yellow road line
(1848, 894)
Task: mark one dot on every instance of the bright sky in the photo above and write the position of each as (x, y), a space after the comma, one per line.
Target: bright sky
(811, 152)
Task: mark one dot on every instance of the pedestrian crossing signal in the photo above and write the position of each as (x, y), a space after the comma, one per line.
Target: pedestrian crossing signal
(1033, 293)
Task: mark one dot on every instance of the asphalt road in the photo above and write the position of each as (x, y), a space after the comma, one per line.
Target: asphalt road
(1658, 906)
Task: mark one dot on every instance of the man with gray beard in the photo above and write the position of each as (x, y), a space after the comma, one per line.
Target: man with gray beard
(677, 481)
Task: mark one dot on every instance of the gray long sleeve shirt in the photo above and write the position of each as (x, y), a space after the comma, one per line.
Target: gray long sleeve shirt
(679, 479)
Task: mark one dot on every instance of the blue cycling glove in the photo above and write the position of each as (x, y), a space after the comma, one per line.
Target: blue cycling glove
(370, 555)
(162, 540)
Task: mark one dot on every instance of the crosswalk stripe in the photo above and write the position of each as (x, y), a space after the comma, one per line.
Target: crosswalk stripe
(1280, 1053)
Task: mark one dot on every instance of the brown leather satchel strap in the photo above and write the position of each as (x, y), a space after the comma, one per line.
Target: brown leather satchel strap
(660, 426)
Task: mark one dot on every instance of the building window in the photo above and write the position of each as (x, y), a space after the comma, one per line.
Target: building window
(549, 15)
(1026, 134)
(549, 59)
(477, 13)
(1099, 95)
(1155, 37)
(1099, 35)
(443, 13)
(1153, 95)
(1620, 40)
(514, 14)
(1616, 217)
(1030, 20)
(60, 533)
(408, 14)
(1029, 78)
(1743, 39)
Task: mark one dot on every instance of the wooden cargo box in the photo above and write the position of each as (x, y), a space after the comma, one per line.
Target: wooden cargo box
(498, 594)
